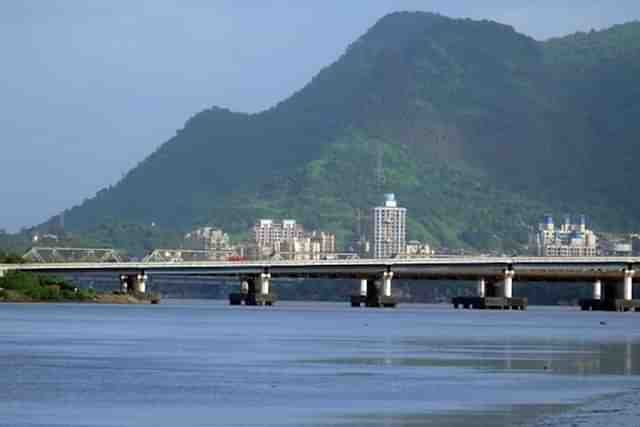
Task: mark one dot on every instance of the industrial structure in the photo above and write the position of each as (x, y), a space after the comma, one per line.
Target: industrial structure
(389, 229)
(65, 255)
(568, 240)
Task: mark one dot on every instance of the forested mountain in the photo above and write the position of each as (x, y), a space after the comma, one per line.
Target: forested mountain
(481, 131)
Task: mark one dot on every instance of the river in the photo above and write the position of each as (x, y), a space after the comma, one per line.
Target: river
(204, 363)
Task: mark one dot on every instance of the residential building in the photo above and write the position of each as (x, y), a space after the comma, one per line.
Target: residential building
(288, 240)
(568, 240)
(208, 239)
(389, 229)
(417, 249)
(269, 233)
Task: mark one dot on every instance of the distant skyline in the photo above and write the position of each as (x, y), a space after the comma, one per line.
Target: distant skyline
(90, 89)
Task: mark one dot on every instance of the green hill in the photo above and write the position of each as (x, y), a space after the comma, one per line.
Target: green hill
(481, 129)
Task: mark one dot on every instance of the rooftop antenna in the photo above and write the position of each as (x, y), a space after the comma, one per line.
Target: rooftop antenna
(380, 180)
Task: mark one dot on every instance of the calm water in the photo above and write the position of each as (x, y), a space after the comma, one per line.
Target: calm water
(205, 363)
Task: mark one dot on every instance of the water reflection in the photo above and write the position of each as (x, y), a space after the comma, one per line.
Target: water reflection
(524, 360)
(566, 358)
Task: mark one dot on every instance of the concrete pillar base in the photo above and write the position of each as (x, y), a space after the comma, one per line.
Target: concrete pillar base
(490, 303)
(614, 304)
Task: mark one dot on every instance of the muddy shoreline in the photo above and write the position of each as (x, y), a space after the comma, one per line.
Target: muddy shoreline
(100, 298)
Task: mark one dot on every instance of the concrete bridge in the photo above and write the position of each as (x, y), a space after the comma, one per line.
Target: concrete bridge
(611, 277)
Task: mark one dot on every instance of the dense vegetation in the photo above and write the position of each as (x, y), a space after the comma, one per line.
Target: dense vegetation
(27, 287)
(482, 130)
(9, 258)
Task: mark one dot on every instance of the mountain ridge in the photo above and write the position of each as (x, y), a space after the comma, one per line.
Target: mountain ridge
(461, 108)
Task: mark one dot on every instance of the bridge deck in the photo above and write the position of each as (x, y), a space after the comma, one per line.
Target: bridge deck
(458, 268)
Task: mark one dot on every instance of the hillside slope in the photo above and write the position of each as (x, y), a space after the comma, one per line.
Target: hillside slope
(482, 130)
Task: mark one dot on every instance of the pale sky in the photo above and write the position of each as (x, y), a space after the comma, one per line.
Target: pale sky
(88, 89)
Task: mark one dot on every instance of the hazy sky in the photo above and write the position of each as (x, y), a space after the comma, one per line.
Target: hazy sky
(88, 89)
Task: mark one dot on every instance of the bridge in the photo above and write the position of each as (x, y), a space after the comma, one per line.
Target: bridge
(611, 277)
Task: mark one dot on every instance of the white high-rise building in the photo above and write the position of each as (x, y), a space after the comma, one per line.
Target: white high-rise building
(389, 229)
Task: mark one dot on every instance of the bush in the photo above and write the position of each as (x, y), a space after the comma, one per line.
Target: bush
(38, 288)
(20, 281)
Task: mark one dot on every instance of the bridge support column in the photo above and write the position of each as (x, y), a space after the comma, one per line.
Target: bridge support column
(386, 283)
(597, 290)
(133, 283)
(612, 295)
(359, 298)
(140, 283)
(247, 293)
(482, 288)
(386, 299)
(628, 285)
(254, 291)
(2, 272)
(493, 294)
(265, 283)
(508, 284)
(244, 287)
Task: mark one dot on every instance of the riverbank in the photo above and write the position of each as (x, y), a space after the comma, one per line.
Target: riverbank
(13, 296)
(23, 287)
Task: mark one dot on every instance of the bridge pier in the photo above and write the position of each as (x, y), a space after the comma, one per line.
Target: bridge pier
(124, 284)
(507, 285)
(597, 290)
(628, 285)
(493, 295)
(140, 284)
(482, 288)
(375, 294)
(133, 283)
(254, 291)
(359, 298)
(618, 296)
(387, 299)
(2, 272)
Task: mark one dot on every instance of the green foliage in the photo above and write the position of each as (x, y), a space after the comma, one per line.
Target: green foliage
(10, 258)
(42, 288)
(482, 130)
